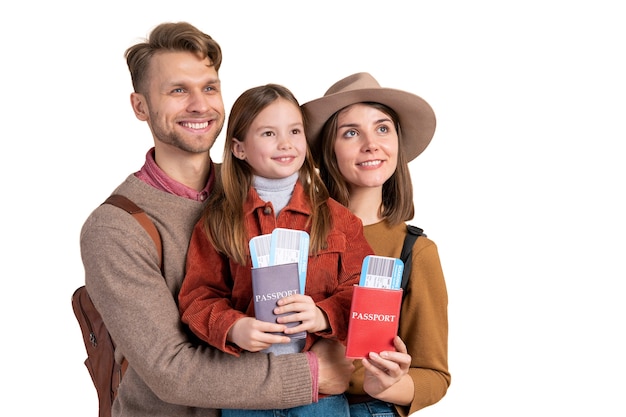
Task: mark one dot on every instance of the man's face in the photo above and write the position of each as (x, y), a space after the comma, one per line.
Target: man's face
(183, 102)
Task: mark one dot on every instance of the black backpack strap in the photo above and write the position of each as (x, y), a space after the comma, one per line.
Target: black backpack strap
(413, 233)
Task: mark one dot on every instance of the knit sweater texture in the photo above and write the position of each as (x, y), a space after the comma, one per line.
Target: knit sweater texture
(170, 373)
(423, 316)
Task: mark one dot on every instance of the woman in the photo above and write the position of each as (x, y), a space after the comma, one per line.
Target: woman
(364, 136)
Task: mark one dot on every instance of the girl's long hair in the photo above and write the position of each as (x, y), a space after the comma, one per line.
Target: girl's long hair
(223, 216)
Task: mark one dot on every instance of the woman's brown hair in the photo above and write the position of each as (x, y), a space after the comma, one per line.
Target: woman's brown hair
(397, 200)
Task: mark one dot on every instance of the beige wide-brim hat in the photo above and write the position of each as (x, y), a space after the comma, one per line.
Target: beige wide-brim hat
(417, 118)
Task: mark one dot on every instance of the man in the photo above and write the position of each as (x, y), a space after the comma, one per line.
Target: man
(177, 92)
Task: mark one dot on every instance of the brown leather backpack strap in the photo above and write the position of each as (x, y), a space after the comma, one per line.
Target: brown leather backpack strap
(126, 204)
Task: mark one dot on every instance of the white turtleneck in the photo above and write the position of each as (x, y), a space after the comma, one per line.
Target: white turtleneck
(275, 191)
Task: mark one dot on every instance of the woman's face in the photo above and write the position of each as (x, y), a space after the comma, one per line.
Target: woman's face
(366, 146)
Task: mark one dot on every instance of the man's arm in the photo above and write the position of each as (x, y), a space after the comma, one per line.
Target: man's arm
(124, 280)
(334, 368)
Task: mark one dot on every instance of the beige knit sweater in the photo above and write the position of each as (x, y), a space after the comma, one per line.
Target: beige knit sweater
(169, 375)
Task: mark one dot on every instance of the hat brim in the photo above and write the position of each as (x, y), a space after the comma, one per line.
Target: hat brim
(417, 118)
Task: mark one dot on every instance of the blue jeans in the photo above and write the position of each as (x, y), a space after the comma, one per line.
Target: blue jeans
(373, 408)
(334, 405)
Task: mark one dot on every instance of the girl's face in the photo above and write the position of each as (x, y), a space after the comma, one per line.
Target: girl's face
(183, 104)
(275, 145)
(366, 146)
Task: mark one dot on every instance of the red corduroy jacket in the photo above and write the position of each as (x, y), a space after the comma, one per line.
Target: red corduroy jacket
(216, 291)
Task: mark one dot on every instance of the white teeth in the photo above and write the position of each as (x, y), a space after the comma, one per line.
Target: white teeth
(196, 125)
(371, 163)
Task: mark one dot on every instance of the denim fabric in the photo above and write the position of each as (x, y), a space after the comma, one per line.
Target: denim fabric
(335, 406)
(374, 408)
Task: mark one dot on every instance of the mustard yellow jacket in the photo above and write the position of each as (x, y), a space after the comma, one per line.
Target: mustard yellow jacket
(423, 317)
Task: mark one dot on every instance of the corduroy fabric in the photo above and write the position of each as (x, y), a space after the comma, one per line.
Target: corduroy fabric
(217, 291)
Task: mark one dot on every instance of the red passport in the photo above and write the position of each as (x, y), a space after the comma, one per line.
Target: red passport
(374, 318)
(271, 283)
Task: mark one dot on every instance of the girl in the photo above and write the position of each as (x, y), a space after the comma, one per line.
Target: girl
(365, 136)
(268, 180)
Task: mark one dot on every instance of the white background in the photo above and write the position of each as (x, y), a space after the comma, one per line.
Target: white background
(522, 187)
